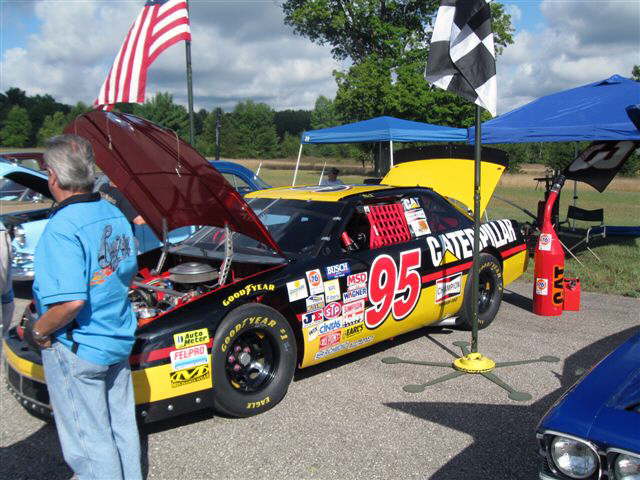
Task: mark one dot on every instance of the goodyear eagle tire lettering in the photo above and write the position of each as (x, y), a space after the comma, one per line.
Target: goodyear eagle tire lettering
(490, 294)
(253, 360)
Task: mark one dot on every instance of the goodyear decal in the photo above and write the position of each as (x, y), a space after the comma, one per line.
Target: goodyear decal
(460, 242)
(190, 338)
(190, 375)
(247, 290)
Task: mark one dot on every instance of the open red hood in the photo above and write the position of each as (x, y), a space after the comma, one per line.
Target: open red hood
(164, 177)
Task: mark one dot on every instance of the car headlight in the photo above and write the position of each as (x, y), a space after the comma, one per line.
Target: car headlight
(626, 467)
(572, 457)
(20, 236)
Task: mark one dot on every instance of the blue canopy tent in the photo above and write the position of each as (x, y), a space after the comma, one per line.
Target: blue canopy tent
(595, 111)
(381, 129)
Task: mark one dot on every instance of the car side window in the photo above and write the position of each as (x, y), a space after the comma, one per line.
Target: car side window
(441, 216)
(238, 183)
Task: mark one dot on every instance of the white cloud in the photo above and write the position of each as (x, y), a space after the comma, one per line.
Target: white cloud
(240, 50)
(583, 42)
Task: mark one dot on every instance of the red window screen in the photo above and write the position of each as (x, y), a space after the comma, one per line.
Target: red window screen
(388, 225)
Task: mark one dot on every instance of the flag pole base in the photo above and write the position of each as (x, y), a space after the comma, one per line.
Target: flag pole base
(474, 363)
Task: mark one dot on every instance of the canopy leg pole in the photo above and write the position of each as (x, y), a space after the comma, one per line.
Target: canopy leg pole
(295, 173)
(391, 151)
(575, 186)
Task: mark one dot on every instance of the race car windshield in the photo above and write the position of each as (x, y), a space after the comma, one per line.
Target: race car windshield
(295, 225)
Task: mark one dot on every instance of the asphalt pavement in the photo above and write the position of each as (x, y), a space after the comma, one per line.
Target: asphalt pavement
(351, 419)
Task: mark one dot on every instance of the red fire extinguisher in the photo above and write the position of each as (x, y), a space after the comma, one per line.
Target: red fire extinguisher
(548, 287)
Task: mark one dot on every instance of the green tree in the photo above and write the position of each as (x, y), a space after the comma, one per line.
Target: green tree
(635, 73)
(78, 109)
(51, 126)
(16, 128)
(293, 122)
(249, 132)
(324, 114)
(161, 110)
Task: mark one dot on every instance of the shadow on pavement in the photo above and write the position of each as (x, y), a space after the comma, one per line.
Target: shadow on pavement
(504, 445)
(517, 300)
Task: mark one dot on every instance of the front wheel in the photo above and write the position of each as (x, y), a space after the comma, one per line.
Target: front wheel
(254, 359)
(490, 286)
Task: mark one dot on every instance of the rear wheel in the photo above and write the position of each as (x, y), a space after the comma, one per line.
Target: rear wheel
(490, 287)
(254, 359)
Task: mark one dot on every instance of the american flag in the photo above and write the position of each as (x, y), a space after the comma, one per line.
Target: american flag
(160, 24)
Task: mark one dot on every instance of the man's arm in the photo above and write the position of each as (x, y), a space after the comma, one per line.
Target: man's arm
(58, 315)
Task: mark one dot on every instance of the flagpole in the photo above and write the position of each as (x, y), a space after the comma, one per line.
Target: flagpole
(475, 281)
(190, 88)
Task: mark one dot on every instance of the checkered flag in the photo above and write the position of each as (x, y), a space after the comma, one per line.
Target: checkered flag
(462, 57)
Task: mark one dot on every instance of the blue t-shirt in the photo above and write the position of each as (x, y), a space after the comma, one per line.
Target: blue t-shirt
(87, 252)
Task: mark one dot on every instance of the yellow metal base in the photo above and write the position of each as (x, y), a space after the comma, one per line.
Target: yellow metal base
(474, 363)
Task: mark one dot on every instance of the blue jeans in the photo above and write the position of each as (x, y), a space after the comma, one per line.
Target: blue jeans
(95, 415)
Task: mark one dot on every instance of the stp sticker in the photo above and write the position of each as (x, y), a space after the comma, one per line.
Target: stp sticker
(314, 277)
(448, 287)
(339, 270)
(332, 291)
(297, 290)
(357, 280)
(314, 302)
(330, 339)
(192, 337)
(189, 357)
(312, 318)
(333, 310)
(545, 241)
(542, 286)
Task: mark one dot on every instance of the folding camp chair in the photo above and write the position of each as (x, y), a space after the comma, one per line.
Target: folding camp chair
(593, 216)
(605, 231)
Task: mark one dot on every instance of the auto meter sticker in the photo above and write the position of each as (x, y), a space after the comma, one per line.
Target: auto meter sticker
(355, 294)
(312, 318)
(189, 357)
(357, 280)
(352, 313)
(545, 241)
(329, 340)
(314, 277)
(333, 310)
(392, 289)
(410, 203)
(542, 286)
(343, 346)
(314, 302)
(297, 290)
(448, 287)
(330, 326)
(190, 375)
(332, 291)
(190, 338)
(339, 270)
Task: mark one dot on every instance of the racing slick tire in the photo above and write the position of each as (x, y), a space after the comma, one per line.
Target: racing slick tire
(253, 360)
(489, 294)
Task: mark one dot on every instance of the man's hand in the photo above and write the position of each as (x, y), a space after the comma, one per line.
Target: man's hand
(58, 315)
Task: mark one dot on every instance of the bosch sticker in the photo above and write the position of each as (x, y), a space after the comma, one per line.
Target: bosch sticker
(339, 270)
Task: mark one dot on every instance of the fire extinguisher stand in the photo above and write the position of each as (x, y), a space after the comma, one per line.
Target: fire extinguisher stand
(471, 361)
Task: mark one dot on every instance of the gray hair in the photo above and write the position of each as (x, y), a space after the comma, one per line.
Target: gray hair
(71, 157)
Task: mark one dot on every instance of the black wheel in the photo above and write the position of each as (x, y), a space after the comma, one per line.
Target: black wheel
(490, 288)
(254, 359)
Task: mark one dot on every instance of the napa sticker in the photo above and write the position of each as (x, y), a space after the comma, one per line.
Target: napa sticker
(448, 287)
(189, 357)
(190, 338)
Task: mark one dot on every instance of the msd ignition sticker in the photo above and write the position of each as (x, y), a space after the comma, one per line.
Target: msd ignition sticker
(314, 277)
(332, 291)
(329, 340)
(333, 310)
(314, 302)
(410, 203)
(339, 270)
(352, 313)
(357, 280)
(312, 318)
(448, 287)
(544, 242)
(542, 286)
(297, 290)
(189, 357)
(190, 338)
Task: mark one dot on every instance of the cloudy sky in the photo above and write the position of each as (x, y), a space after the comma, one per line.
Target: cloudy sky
(242, 50)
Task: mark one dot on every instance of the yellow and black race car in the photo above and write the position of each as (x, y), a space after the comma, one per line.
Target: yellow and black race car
(286, 278)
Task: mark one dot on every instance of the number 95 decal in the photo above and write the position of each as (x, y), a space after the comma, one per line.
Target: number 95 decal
(393, 290)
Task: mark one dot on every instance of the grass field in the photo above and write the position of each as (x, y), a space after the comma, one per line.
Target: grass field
(618, 270)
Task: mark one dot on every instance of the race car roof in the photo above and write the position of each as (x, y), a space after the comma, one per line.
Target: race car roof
(163, 177)
(319, 193)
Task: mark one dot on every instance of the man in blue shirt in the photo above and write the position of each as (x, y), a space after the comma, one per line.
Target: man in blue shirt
(84, 264)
